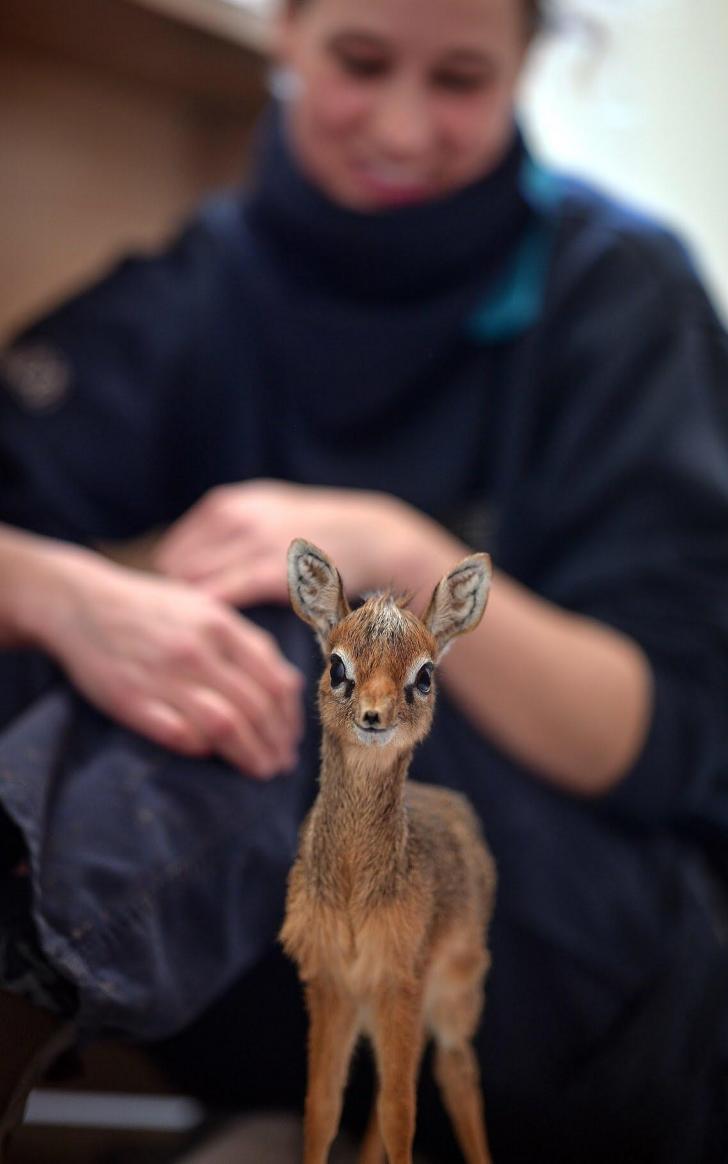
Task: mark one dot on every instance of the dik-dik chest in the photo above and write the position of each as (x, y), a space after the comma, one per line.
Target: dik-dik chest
(359, 945)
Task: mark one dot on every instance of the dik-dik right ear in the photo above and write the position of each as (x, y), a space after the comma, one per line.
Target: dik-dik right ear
(315, 588)
(458, 600)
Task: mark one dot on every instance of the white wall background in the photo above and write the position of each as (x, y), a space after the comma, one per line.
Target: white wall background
(641, 106)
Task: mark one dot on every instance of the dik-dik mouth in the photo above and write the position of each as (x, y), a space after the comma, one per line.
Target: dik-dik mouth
(374, 735)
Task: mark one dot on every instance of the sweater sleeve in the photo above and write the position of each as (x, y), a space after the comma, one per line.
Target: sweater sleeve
(85, 398)
(626, 509)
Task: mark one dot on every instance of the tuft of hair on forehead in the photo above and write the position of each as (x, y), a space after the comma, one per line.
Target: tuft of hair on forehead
(383, 623)
(385, 615)
(400, 598)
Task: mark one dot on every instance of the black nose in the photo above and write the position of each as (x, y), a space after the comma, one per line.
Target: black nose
(371, 717)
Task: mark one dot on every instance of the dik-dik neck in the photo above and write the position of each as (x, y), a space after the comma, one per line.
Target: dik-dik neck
(358, 837)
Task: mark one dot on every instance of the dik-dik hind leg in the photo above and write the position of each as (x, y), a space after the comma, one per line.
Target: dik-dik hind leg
(397, 1034)
(458, 1077)
(454, 1018)
(332, 1031)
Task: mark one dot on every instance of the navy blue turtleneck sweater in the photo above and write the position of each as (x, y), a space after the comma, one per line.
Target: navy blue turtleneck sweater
(531, 364)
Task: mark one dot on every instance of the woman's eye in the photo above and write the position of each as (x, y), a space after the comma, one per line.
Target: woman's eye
(423, 681)
(362, 66)
(337, 671)
(461, 82)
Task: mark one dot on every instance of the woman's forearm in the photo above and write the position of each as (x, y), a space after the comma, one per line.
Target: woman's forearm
(568, 697)
(565, 695)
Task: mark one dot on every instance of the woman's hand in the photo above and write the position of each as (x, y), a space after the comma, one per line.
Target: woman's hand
(233, 543)
(165, 660)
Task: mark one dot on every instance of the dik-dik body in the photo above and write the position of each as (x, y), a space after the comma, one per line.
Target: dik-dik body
(392, 890)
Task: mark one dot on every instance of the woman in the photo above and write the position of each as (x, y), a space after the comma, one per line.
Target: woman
(405, 339)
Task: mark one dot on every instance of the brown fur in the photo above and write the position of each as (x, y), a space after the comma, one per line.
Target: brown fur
(390, 895)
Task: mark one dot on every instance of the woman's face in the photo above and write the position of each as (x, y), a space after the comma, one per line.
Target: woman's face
(399, 101)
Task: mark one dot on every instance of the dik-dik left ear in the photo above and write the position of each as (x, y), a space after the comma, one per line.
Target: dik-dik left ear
(458, 600)
(315, 587)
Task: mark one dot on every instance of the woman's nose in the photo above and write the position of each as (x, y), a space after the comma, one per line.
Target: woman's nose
(403, 124)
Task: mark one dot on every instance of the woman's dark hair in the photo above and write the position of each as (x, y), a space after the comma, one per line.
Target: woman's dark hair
(535, 11)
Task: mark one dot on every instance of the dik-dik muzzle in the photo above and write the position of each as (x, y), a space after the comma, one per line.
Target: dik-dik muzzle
(376, 709)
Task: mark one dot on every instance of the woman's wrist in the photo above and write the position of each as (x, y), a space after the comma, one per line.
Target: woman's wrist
(36, 578)
(419, 551)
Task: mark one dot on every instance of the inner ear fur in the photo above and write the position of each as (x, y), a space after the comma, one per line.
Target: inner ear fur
(458, 600)
(315, 588)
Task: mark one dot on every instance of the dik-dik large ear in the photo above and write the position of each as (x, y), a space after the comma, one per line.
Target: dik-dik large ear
(458, 600)
(314, 584)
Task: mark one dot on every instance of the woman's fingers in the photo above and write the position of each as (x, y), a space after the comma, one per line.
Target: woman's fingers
(175, 665)
(269, 717)
(236, 692)
(232, 734)
(163, 724)
(254, 654)
(234, 718)
(204, 531)
(250, 583)
(198, 561)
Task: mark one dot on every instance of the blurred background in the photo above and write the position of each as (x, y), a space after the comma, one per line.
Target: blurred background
(116, 116)
(634, 94)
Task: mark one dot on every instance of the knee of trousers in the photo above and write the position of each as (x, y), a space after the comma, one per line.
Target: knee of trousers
(157, 879)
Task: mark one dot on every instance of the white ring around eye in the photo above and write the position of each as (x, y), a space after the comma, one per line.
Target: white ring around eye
(346, 660)
(414, 670)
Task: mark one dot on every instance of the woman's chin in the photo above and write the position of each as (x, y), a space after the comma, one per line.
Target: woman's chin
(373, 194)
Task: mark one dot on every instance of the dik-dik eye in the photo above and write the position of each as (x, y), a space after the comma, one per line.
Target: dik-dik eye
(337, 671)
(423, 679)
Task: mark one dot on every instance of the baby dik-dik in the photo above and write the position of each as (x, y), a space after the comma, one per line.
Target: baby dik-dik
(392, 889)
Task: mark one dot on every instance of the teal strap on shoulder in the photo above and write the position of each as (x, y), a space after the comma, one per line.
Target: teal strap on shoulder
(514, 303)
(542, 188)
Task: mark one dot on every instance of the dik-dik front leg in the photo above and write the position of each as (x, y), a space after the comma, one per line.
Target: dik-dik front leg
(397, 1033)
(333, 1028)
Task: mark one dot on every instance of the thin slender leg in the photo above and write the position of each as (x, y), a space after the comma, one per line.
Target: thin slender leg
(332, 1031)
(454, 1015)
(397, 1034)
(458, 1077)
(372, 1149)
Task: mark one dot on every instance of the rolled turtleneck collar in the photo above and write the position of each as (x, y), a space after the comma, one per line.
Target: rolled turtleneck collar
(398, 254)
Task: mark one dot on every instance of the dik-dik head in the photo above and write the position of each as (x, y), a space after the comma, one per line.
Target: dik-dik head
(378, 686)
